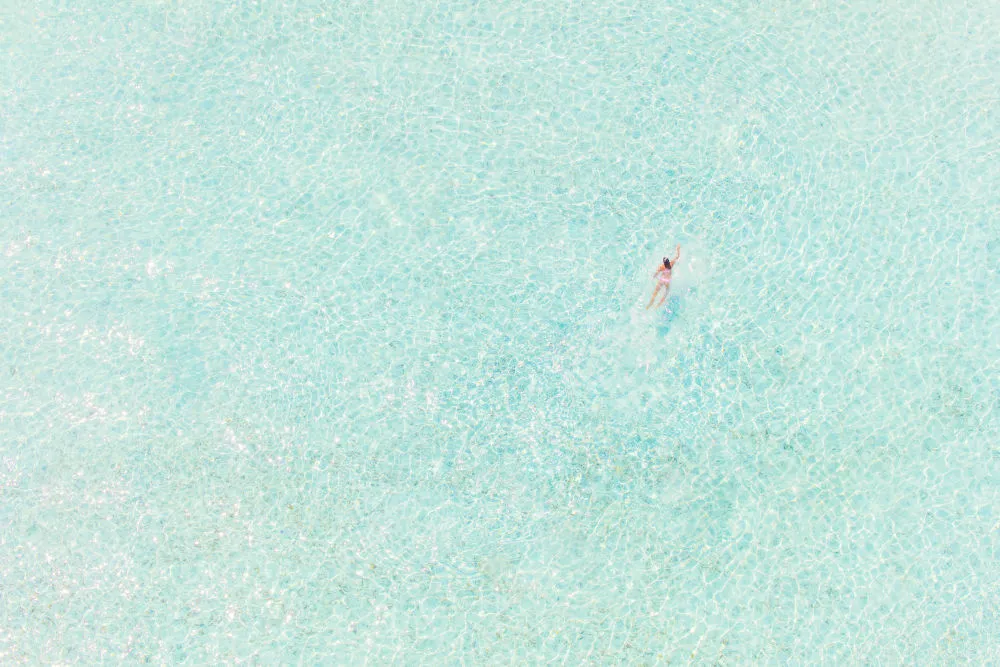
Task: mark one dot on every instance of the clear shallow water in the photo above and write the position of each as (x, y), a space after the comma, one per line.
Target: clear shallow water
(323, 337)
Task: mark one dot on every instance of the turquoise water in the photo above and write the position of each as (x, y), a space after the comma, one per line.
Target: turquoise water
(324, 341)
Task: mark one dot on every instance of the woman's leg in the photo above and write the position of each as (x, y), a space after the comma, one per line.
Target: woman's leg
(653, 298)
(666, 292)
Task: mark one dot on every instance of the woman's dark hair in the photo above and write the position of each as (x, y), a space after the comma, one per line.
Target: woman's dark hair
(666, 262)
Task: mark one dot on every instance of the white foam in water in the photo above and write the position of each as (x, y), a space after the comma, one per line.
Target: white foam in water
(693, 269)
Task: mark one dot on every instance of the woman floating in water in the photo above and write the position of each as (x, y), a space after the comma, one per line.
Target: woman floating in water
(662, 276)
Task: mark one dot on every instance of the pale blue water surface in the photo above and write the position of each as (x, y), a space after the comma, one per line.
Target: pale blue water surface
(324, 341)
